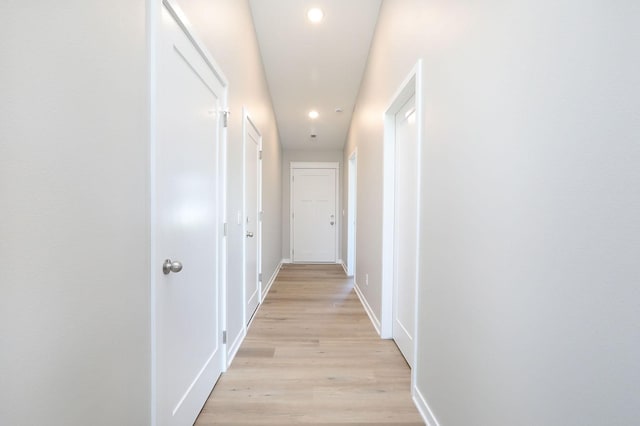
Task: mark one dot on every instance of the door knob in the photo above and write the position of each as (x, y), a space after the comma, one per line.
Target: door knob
(169, 266)
(250, 234)
(331, 223)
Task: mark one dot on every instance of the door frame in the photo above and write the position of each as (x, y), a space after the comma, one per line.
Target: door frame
(352, 211)
(153, 29)
(411, 86)
(315, 165)
(246, 122)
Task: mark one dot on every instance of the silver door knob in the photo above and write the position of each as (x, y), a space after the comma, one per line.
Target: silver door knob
(249, 234)
(331, 223)
(169, 266)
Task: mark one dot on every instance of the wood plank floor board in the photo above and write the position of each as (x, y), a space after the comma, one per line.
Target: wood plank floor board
(312, 357)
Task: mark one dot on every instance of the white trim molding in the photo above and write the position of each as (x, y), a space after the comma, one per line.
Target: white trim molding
(233, 348)
(237, 342)
(412, 85)
(423, 408)
(352, 211)
(266, 289)
(344, 266)
(314, 165)
(248, 122)
(374, 320)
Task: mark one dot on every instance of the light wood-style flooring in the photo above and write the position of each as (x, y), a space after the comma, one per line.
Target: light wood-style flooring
(312, 356)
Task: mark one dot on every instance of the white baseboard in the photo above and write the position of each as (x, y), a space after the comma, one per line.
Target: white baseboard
(423, 408)
(374, 320)
(271, 281)
(285, 261)
(341, 262)
(233, 348)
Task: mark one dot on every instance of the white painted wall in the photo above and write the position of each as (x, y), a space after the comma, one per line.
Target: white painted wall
(313, 156)
(226, 29)
(74, 228)
(530, 236)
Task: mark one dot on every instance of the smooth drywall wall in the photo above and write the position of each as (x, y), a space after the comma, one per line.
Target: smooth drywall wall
(302, 156)
(226, 29)
(529, 281)
(74, 228)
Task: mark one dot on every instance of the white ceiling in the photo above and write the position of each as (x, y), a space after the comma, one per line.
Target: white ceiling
(314, 66)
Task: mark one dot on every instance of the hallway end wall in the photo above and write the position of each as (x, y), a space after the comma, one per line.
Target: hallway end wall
(530, 239)
(226, 29)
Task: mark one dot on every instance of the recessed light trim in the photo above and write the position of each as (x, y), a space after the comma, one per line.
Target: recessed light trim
(313, 114)
(315, 15)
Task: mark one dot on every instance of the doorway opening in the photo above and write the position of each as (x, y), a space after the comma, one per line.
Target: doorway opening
(403, 129)
(314, 212)
(252, 220)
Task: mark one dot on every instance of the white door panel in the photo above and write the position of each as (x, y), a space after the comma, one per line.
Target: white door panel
(406, 228)
(314, 217)
(189, 355)
(252, 220)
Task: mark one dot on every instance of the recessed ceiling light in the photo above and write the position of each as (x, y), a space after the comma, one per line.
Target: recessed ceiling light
(313, 114)
(315, 15)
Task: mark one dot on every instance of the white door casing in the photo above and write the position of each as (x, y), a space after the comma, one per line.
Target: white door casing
(403, 135)
(314, 218)
(405, 269)
(352, 213)
(187, 206)
(252, 228)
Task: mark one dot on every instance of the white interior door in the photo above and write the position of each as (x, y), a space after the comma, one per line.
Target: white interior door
(313, 215)
(188, 331)
(406, 228)
(252, 229)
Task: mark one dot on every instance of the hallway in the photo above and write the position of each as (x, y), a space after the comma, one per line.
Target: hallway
(311, 356)
(148, 154)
